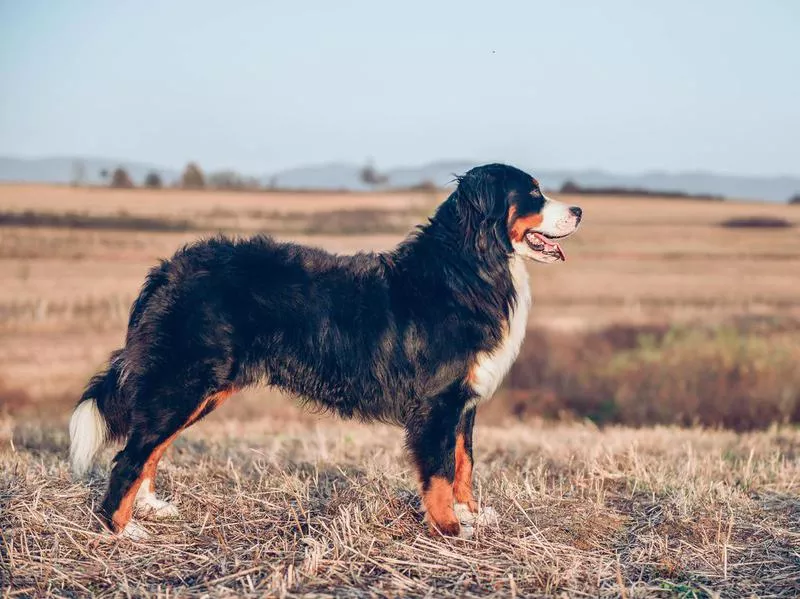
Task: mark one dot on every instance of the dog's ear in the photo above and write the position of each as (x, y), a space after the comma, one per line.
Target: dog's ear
(482, 206)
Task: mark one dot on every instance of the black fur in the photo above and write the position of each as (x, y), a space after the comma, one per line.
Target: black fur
(387, 337)
(105, 389)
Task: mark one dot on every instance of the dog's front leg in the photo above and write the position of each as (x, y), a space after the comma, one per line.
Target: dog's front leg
(431, 437)
(462, 485)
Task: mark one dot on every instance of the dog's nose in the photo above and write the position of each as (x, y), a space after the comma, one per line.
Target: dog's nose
(576, 212)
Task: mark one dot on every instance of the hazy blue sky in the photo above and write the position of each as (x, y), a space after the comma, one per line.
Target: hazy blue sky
(261, 85)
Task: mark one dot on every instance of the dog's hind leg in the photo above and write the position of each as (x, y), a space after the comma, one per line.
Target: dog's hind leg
(136, 464)
(146, 502)
(137, 457)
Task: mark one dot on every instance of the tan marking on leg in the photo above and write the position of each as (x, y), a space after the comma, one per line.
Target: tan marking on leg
(146, 499)
(122, 515)
(462, 484)
(438, 502)
(124, 511)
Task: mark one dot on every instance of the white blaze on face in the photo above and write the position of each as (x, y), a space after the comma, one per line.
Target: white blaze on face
(557, 220)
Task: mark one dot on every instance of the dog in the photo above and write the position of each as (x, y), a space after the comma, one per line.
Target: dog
(418, 336)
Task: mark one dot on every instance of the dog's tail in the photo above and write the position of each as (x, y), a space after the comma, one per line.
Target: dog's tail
(102, 415)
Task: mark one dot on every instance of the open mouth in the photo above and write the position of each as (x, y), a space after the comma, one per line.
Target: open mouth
(544, 245)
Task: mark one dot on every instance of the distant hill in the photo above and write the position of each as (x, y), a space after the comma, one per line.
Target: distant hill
(346, 176)
(335, 175)
(772, 189)
(62, 170)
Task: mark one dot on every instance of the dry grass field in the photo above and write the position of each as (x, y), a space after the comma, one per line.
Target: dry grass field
(655, 296)
(285, 507)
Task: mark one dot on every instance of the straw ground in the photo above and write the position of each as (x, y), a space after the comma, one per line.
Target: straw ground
(288, 506)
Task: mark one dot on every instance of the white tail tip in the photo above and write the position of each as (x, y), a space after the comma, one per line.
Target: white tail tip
(87, 433)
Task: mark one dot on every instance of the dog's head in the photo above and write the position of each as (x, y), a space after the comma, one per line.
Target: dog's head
(502, 206)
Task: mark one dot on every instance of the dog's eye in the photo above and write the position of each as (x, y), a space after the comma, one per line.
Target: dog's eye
(536, 193)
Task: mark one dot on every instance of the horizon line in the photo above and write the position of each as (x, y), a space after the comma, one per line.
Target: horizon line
(346, 163)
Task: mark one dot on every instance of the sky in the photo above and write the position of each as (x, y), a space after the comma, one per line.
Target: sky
(260, 86)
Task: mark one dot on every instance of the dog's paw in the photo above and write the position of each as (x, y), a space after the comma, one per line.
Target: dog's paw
(160, 510)
(485, 517)
(464, 514)
(150, 506)
(134, 532)
(467, 531)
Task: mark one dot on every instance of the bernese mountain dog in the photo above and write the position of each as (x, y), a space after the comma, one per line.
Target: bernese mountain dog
(418, 336)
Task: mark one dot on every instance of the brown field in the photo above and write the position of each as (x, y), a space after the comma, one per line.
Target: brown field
(659, 315)
(65, 293)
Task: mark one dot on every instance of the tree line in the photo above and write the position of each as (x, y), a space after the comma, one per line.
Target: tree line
(193, 177)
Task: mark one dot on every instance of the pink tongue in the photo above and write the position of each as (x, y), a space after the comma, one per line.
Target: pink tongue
(550, 245)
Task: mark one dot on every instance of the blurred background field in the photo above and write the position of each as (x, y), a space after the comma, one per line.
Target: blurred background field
(663, 312)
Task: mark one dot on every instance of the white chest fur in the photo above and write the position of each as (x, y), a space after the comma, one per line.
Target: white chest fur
(491, 367)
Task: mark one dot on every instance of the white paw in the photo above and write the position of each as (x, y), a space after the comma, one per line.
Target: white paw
(463, 514)
(152, 507)
(134, 532)
(485, 517)
(466, 532)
